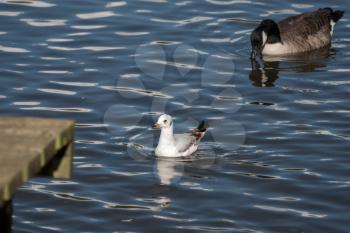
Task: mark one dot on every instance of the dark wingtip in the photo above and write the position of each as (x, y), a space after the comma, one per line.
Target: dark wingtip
(203, 126)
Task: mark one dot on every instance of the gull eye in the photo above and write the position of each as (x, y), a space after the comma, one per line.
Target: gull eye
(165, 121)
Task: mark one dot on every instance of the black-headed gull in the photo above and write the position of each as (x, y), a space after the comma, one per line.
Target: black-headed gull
(177, 145)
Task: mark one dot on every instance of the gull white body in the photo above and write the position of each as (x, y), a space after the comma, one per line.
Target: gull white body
(176, 145)
(168, 146)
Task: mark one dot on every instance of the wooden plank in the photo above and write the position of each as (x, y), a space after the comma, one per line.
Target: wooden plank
(28, 145)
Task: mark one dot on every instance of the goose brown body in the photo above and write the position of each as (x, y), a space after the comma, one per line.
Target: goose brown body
(296, 34)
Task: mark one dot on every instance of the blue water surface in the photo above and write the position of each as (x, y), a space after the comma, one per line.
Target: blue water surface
(276, 156)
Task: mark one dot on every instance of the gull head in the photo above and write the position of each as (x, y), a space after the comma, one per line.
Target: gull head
(164, 121)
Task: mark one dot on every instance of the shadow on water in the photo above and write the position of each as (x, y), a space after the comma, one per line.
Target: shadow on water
(5, 216)
(266, 74)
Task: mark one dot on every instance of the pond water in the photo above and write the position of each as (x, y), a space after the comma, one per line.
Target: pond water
(275, 158)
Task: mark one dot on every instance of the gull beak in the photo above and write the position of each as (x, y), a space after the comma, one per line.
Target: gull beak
(156, 126)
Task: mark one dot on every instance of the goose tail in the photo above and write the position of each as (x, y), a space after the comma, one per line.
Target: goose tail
(334, 16)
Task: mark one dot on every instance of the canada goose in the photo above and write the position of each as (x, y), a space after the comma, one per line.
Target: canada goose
(295, 34)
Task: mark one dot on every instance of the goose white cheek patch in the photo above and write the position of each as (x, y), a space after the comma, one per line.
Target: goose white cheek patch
(332, 26)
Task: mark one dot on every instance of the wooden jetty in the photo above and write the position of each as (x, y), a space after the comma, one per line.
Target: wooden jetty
(31, 146)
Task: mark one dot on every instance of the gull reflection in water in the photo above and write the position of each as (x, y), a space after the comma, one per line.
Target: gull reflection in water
(163, 202)
(169, 170)
(266, 73)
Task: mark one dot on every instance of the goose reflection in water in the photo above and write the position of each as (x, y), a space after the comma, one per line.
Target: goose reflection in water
(266, 74)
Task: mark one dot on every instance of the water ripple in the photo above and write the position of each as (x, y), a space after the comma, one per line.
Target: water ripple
(136, 91)
(76, 84)
(10, 13)
(57, 91)
(129, 33)
(302, 213)
(182, 22)
(90, 142)
(155, 1)
(339, 70)
(31, 3)
(44, 23)
(231, 2)
(96, 15)
(130, 207)
(53, 58)
(259, 176)
(82, 110)
(59, 40)
(116, 4)
(26, 103)
(91, 48)
(302, 5)
(91, 165)
(51, 228)
(216, 40)
(336, 83)
(282, 12)
(143, 11)
(164, 42)
(45, 210)
(86, 27)
(130, 173)
(79, 33)
(54, 72)
(90, 125)
(288, 199)
(13, 49)
(175, 219)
